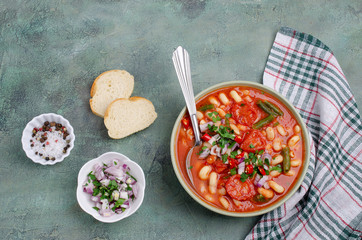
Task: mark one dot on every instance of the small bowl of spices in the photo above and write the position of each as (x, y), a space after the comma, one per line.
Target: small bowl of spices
(48, 138)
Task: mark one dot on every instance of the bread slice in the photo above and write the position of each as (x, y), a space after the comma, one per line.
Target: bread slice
(109, 86)
(124, 117)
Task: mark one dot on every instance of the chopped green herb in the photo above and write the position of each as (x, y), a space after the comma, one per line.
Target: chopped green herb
(233, 171)
(242, 104)
(262, 92)
(243, 177)
(228, 115)
(276, 168)
(97, 209)
(275, 124)
(115, 163)
(95, 191)
(119, 202)
(224, 158)
(206, 107)
(233, 154)
(251, 146)
(131, 176)
(92, 176)
(212, 128)
(96, 183)
(266, 161)
(190, 167)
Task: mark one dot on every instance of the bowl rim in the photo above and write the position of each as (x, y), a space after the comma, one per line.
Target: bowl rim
(304, 132)
(46, 116)
(82, 177)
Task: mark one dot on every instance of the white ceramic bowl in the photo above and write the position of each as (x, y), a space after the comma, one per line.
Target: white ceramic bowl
(84, 198)
(37, 122)
(190, 188)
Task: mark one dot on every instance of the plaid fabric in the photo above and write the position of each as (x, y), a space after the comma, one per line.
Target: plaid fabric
(328, 205)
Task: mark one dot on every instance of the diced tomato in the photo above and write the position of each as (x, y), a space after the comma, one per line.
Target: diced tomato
(262, 170)
(238, 139)
(249, 169)
(239, 190)
(220, 166)
(246, 114)
(232, 163)
(255, 140)
(186, 122)
(206, 137)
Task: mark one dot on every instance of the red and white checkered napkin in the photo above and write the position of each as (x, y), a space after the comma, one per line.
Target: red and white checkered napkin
(328, 205)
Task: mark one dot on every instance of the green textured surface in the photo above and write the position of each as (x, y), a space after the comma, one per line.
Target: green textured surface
(50, 52)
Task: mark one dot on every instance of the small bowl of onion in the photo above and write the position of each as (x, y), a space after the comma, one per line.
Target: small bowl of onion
(110, 187)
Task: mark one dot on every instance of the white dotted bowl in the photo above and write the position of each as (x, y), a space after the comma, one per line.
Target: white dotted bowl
(38, 122)
(87, 204)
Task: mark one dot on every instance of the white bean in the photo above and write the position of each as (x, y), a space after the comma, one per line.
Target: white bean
(224, 202)
(203, 189)
(204, 172)
(274, 173)
(291, 154)
(293, 140)
(248, 99)
(220, 112)
(242, 127)
(281, 130)
(199, 115)
(277, 145)
(202, 122)
(224, 99)
(295, 163)
(222, 191)
(237, 202)
(276, 187)
(235, 96)
(209, 198)
(297, 128)
(267, 193)
(278, 159)
(270, 133)
(289, 173)
(214, 101)
(235, 128)
(213, 182)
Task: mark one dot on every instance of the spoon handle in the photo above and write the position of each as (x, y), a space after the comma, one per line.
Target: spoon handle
(181, 62)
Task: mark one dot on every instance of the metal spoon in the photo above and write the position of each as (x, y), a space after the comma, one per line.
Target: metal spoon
(181, 62)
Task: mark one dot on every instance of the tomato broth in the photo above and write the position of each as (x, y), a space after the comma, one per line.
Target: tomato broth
(252, 149)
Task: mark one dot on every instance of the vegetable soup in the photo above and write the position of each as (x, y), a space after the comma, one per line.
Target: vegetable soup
(251, 152)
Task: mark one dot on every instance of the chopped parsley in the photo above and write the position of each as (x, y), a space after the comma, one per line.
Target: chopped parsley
(224, 158)
(251, 146)
(206, 107)
(233, 171)
(214, 116)
(96, 208)
(190, 167)
(243, 177)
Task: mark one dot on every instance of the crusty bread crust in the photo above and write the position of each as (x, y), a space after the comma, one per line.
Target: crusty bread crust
(95, 87)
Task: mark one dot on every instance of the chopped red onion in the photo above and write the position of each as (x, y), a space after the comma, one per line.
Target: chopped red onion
(266, 185)
(241, 168)
(256, 180)
(104, 173)
(236, 145)
(262, 181)
(223, 151)
(204, 153)
(204, 127)
(266, 155)
(116, 172)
